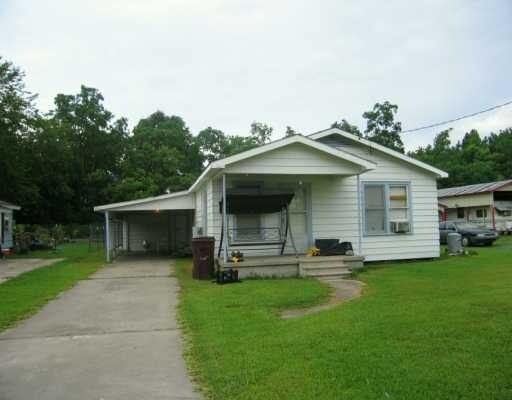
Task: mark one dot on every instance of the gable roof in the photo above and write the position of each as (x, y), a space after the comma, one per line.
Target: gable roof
(376, 146)
(218, 165)
(473, 189)
(9, 206)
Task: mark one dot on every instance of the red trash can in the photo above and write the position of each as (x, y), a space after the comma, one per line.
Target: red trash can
(203, 250)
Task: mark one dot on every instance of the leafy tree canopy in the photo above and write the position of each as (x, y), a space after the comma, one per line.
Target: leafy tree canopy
(471, 160)
(18, 120)
(381, 126)
(58, 166)
(344, 125)
(290, 132)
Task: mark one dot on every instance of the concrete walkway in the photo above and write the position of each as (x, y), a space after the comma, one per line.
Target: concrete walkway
(113, 336)
(13, 267)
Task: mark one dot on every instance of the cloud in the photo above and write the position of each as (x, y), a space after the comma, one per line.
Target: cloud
(298, 63)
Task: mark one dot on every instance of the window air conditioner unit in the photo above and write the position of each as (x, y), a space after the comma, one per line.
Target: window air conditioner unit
(197, 231)
(400, 226)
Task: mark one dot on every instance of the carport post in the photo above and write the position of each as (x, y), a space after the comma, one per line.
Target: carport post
(107, 236)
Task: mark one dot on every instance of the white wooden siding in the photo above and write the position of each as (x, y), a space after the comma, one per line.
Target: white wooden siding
(295, 159)
(334, 198)
(198, 220)
(214, 215)
(334, 209)
(150, 227)
(423, 242)
(480, 199)
(164, 231)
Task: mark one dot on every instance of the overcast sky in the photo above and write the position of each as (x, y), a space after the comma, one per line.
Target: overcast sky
(299, 63)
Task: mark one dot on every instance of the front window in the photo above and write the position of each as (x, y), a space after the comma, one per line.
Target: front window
(481, 213)
(386, 208)
(375, 209)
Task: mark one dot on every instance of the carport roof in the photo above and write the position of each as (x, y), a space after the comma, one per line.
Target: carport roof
(9, 206)
(172, 201)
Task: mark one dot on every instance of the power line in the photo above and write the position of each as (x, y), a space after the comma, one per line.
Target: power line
(458, 118)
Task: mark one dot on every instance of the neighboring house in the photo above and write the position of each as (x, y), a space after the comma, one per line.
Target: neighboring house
(330, 184)
(7, 224)
(441, 210)
(486, 204)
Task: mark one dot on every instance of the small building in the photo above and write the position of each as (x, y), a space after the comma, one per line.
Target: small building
(279, 198)
(7, 224)
(486, 204)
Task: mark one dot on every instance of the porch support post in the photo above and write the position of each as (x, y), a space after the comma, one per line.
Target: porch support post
(224, 220)
(493, 211)
(359, 217)
(107, 236)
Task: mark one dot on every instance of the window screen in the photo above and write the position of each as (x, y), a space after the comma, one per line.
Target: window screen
(385, 204)
(375, 212)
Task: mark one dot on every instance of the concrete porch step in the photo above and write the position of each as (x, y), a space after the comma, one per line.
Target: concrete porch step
(330, 274)
(323, 265)
(321, 270)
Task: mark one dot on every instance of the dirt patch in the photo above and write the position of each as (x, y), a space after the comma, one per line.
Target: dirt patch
(344, 290)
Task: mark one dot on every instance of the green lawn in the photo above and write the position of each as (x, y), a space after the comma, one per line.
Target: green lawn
(25, 294)
(422, 330)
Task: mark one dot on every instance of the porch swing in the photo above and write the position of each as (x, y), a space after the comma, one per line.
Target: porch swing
(257, 202)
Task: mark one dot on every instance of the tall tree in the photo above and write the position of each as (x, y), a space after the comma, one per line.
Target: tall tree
(50, 170)
(18, 117)
(213, 144)
(471, 160)
(344, 125)
(500, 147)
(162, 156)
(381, 126)
(97, 142)
(261, 133)
(290, 132)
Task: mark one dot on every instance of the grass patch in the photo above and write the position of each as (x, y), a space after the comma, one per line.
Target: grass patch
(422, 330)
(25, 294)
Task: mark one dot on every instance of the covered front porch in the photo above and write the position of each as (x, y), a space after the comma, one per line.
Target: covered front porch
(273, 204)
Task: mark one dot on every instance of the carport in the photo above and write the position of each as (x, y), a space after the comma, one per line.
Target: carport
(153, 225)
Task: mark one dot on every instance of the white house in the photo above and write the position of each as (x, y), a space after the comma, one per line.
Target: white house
(330, 184)
(486, 204)
(7, 224)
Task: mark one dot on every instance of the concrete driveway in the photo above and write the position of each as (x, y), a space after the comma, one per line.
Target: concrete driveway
(13, 267)
(113, 336)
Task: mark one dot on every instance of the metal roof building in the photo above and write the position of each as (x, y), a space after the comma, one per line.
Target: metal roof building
(473, 189)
